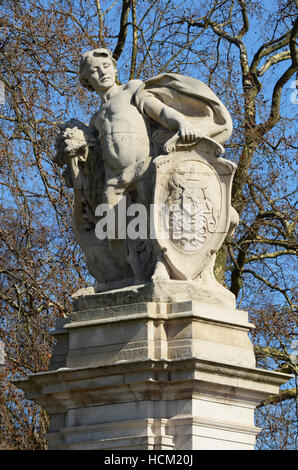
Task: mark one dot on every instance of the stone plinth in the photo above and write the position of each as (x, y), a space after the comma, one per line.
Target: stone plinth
(152, 375)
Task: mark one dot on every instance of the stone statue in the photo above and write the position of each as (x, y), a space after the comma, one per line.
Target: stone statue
(152, 207)
(154, 144)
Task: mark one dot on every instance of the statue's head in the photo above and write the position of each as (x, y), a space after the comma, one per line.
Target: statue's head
(97, 70)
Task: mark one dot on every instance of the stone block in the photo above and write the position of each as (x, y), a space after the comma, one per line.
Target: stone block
(152, 375)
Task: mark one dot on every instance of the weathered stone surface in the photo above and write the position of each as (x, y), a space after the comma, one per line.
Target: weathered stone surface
(169, 291)
(158, 330)
(152, 375)
(154, 144)
(181, 405)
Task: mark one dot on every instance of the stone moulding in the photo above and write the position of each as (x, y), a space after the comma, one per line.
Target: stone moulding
(152, 375)
(110, 407)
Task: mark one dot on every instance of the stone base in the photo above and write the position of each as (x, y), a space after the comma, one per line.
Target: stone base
(207, 291)
(151, 375)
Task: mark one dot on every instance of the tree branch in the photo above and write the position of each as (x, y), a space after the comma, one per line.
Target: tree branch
(272, 255)
(134, 41)
(282, 396)
(273, 60)
(268, 48)
(276, 95)
(101, 24)
(289, 245)
(277, 354)
(268, 284)
(245, 26)
(123, 29)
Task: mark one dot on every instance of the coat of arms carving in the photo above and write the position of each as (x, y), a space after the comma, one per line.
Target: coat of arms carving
(192, 206)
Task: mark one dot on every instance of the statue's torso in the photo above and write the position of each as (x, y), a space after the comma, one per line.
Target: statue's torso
(123, 131)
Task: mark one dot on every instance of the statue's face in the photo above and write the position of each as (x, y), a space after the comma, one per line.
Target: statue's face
(101, 73)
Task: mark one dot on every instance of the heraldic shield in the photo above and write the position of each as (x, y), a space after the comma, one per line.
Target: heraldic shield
(192, 206)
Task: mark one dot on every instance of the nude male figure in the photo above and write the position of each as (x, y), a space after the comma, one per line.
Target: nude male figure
(124, 132)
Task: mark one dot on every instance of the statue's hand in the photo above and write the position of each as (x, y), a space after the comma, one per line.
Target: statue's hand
(188, 133)
(187, 136)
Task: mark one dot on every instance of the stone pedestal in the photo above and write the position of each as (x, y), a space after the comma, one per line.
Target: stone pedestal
(151, 375)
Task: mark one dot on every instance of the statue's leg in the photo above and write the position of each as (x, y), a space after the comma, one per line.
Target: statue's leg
(115, 197)
(145, 196)
(145, 191)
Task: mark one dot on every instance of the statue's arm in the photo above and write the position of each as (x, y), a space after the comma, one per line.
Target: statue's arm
(92, 126)
(169, 118)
